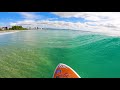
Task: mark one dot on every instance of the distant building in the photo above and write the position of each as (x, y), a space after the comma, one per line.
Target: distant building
(34, 28)
(4, 28)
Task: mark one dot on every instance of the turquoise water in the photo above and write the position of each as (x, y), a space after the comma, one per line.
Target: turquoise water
(36, 53)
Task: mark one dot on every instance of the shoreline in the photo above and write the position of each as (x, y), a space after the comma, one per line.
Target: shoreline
(2, 32)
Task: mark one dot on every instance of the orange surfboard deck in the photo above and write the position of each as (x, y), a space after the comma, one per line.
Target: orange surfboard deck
(64, 71)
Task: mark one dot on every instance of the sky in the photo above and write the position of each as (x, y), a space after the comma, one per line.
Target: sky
(107, 22)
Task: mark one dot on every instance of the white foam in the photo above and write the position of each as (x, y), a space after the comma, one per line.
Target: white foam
(106, 31)
(111, 33)
(3, 33)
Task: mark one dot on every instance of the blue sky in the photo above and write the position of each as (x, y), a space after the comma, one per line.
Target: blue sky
(7, 17)
(90, 21)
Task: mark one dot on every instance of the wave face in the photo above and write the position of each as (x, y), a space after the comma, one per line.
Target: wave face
(37, 53)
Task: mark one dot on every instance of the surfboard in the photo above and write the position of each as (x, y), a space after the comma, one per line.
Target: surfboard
(64, 71)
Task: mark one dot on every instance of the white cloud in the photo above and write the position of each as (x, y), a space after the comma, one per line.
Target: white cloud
(97, 18)
(29, 15)
(52, 24)
(12, 24)
(104, 22)
(68, 25)
(107, 22)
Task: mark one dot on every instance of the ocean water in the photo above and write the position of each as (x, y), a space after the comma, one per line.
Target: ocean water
(36, 53)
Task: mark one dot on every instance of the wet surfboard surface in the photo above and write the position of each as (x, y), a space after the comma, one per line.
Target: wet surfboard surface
(64, 71)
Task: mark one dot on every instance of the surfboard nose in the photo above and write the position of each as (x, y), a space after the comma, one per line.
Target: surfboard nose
(64, 71)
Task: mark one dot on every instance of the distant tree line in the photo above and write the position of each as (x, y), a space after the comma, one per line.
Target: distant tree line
(17, 28)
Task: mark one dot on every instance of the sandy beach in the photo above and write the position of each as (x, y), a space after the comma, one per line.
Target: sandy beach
(8, 31)
(2, 31)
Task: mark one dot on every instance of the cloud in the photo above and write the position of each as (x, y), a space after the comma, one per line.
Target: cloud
(96, 21)
(104, 22)
(48, 23)
(23, 23)
(69, 25)
(28, 15)
(96, 18)
(57, 24)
